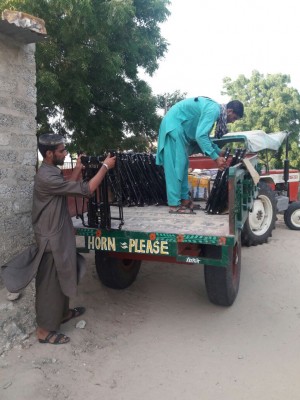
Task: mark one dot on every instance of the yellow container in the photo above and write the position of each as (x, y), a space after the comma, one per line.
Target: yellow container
(199, 186)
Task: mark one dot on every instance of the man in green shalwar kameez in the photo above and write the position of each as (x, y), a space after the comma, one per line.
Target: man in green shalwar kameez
(184, 131)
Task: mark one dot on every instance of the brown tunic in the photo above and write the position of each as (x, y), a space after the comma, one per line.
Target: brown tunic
(54, 233)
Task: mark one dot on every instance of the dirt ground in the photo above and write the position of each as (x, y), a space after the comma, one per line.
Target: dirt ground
(162, 339)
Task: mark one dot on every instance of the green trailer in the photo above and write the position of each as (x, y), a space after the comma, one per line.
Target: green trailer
(151, 233)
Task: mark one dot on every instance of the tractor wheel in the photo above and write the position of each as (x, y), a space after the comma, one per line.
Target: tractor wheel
(222, 283)
(292, 216)
(114, 272)
(260, 223)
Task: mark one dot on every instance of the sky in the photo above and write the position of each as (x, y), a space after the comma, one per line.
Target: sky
(213, 39)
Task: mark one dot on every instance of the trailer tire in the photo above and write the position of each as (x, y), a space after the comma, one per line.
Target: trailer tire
(292, 216)
(114, 272)
(260, 222)
(222, 283)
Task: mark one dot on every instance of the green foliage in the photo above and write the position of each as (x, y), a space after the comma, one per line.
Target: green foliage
(167, 100)
(87, 69)
(270, 105)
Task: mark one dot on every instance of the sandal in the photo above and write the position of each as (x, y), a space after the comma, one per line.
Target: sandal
(60, 338)
(196, 207)
(191, 205)
(182, 210)
(75, 312)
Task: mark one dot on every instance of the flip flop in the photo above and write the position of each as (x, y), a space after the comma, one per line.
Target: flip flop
(182, 210)
(75, 312)
(60, 338)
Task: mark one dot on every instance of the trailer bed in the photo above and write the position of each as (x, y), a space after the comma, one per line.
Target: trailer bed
(152, 233)
(157, 219)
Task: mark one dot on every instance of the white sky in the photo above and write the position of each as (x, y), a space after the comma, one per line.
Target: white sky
(209, 40)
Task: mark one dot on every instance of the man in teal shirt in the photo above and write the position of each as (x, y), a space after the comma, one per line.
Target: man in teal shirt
(184, 131)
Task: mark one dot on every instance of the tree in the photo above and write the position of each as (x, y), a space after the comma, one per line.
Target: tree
(87, 70)
(270, 105)
(167, 100)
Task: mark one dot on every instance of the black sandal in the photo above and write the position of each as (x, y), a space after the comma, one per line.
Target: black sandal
(182, 210)
(75, 312)
(190, 204)
(60, 338)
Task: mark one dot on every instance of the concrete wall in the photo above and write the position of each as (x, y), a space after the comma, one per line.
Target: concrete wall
(17, 144)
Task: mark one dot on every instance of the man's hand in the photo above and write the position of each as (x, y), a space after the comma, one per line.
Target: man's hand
(221, 162)
(79, 164)
(110, 161)
(107, 164)
(76, 173)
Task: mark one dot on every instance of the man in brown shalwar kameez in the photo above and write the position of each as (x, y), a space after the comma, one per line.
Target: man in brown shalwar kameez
(54, 260)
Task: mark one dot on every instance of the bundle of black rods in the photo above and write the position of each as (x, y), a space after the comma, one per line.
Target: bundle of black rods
(135, 181)
(142, 182)
(98, 205)
(217, 202)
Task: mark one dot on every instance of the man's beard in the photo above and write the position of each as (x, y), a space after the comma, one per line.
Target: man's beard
(56, 161)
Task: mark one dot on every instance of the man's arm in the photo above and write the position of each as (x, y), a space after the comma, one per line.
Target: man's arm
(76, 173)
(209, 116)
(108, 163)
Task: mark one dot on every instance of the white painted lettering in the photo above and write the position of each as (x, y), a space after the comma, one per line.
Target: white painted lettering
(142, 246)
(103, 243)
(149, 249)
(193, 260)
(164, 248)
(98, 243)
(91, 242)
(111, 244)
(156, 247)
(132, 245)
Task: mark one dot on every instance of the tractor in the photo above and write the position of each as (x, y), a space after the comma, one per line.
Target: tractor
(277, 189)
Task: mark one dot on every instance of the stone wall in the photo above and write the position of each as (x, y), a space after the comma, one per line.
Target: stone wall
(18, 146)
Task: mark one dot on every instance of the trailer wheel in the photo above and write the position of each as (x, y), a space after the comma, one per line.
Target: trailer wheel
(114, 272)
(292, 216)
(222, 283)
(260, 222)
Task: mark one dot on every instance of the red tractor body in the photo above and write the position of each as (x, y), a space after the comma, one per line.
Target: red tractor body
(275, 179)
